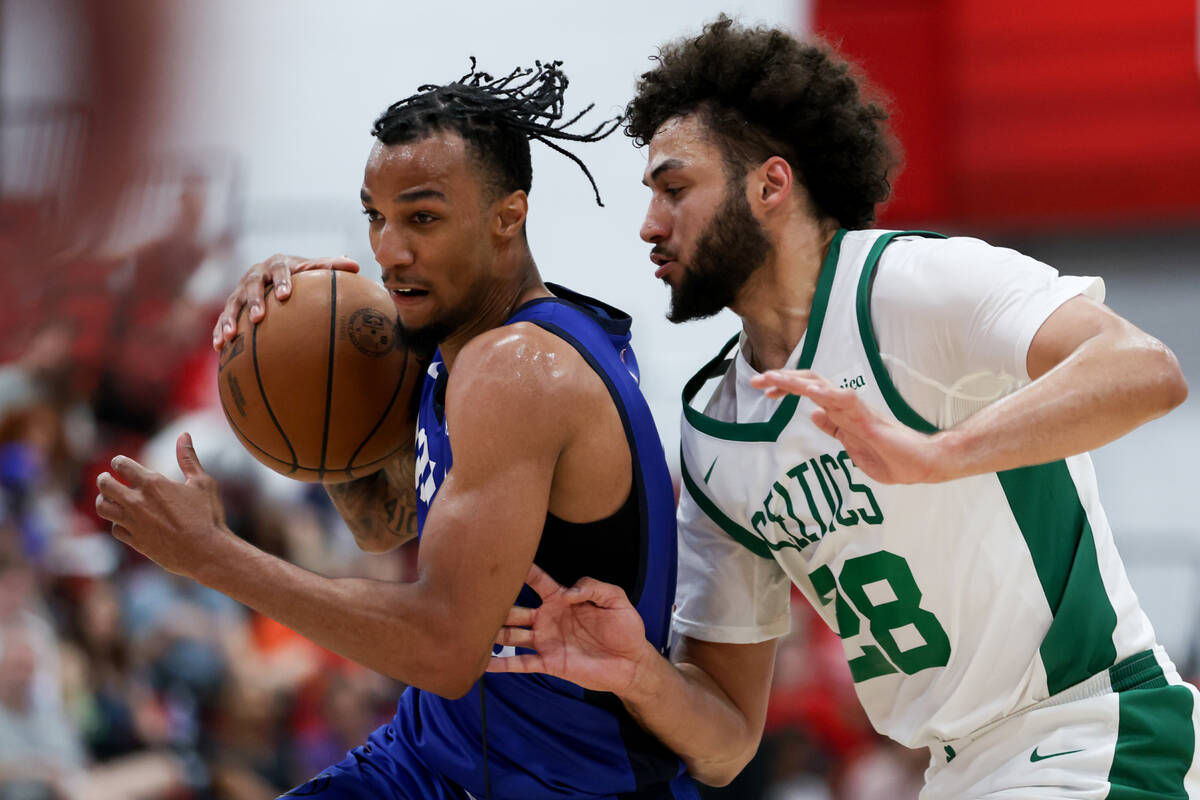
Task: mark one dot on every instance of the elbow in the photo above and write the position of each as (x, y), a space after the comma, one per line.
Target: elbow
(718, 773)
(452, 674)
(1170, 387)
(717, 776)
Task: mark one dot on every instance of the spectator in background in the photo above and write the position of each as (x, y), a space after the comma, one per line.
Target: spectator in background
(40, 754)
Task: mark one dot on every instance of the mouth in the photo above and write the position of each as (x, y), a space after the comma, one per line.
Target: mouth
(407, 295)
(663, 262)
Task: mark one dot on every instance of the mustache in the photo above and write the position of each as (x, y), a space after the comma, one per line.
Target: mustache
(659, 250)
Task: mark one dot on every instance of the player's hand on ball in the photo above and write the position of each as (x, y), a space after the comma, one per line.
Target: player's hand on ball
(886, 450)
(589, 634)
(276, 271)
(169, 522)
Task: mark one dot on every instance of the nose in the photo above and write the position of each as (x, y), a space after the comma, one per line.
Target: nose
(392, 248)
(655, 228)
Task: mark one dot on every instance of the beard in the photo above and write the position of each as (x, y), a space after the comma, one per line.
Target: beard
(423, 341)
(729, 251)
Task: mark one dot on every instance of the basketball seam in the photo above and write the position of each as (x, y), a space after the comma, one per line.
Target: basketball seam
(296, 466)
(267, 404)
(379, 423)
(329, 371)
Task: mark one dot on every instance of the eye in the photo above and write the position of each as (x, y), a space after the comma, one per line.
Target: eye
(372, 215)
(423, 218)
(673, 191)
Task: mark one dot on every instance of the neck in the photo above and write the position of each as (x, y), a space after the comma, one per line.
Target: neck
(776, 301)
(497, 305)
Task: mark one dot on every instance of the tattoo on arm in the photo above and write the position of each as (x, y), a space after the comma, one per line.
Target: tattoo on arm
(380, 509)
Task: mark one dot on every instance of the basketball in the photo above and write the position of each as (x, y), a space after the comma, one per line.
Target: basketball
(322, 389)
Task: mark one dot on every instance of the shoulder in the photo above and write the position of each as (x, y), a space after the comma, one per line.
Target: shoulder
(520, 364)
(933, 274)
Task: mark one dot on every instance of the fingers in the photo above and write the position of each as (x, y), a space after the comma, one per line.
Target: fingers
(122, 534)
(129, 471)
(517, 637)
(343, 263)
(530, 662)
(520, 617)
(822, 421)
(114, 489)
(541, 582)
(276, 272)
(604, 595)
(107, 507)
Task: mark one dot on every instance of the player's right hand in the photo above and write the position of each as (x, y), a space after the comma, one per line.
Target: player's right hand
(275, 271)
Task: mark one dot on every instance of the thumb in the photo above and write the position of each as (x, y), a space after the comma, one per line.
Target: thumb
(185, 454)
(343, 263)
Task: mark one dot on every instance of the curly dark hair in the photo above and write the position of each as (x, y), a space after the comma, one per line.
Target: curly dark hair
(497, 117)
(761, 93)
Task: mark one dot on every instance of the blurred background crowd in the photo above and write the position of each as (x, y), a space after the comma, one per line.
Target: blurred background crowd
(137, 181)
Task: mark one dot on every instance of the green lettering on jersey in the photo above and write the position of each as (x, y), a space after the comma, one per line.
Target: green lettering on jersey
(876, 516)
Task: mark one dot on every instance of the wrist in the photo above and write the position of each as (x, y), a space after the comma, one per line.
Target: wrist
(953, 451)
(647, 682)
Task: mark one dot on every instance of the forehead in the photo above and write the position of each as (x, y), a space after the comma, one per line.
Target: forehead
(440, 161)
(679, 143)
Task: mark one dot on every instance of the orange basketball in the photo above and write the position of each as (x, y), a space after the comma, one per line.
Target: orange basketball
(322, 389)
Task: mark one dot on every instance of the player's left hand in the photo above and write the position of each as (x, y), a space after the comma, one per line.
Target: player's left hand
(589, 634)
(173, 524)
(886, 450)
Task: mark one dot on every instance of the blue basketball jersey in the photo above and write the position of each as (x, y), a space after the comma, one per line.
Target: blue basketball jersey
(536, 736)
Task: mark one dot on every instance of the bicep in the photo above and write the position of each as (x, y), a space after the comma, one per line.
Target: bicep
(1069, 326)
(484, 526)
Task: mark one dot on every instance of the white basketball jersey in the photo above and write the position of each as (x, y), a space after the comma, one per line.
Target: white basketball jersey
(957, 603)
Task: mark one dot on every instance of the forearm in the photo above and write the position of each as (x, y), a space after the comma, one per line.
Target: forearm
(1110, 385)
(379, 509)
(402, 630)
(685, 708)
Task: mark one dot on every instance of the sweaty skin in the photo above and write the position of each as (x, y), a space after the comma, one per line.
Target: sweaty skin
(533, 425)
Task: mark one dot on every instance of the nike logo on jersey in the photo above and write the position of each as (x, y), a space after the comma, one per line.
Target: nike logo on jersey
(708, 474)
(1034, 757)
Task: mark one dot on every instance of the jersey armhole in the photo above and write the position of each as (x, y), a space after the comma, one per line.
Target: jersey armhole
(898, 405)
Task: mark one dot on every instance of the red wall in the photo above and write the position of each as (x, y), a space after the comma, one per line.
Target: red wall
(1059, 112)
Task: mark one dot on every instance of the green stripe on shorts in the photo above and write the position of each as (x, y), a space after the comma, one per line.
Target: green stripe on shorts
(1155, 744)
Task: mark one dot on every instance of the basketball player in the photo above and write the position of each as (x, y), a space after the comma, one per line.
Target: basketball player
(899, 430)
(555, 456)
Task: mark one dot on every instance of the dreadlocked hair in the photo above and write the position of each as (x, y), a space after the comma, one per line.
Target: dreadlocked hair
(759, 92)
(497, 118)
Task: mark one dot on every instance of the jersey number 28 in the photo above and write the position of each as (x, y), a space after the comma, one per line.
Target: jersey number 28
(886, 614)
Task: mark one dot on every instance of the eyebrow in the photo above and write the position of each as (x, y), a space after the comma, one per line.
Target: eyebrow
(670, 163)
(419, 194)
(406, 197)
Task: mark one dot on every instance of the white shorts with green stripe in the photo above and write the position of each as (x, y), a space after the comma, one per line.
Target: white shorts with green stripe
(1129, 733)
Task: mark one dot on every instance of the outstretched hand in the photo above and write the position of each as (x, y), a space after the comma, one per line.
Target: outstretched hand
(174, 524)
(589, 634)
(886, 450)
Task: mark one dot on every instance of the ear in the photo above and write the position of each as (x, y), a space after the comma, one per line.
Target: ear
(508, 219)
(773, 182)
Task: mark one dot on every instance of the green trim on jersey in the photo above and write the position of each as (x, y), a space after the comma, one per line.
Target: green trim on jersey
(767, 431)
(903, 411)
(748, 539)
(1155, 742)
(1045, 504)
